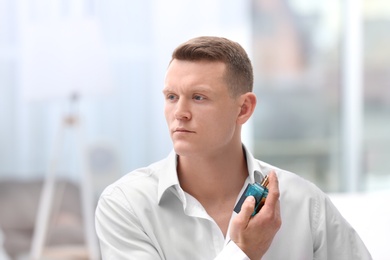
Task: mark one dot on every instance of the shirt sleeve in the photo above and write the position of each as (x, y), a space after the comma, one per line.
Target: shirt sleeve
(334, 237)
(231, 252)
(119, 232)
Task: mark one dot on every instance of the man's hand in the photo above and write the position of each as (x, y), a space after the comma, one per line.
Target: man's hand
(255, 234)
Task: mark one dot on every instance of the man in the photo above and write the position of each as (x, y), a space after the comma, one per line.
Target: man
(182, 207)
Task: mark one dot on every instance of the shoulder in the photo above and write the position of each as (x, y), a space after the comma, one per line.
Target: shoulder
(299, 196)
(291, 182)
(141, 182)
(303, 197)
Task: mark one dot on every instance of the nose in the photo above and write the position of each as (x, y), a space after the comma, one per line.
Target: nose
(182, 111)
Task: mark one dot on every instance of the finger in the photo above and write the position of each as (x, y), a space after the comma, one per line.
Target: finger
(247, 208)
(273, 190)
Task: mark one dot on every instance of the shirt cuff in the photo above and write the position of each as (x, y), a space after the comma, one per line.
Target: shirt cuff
(231, 251)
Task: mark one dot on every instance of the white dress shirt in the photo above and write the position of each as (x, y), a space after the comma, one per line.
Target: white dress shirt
(146, 215)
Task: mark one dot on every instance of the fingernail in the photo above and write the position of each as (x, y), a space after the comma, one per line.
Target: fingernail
(250, 199)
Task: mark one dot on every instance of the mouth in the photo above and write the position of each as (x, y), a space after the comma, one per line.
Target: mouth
(182, 130)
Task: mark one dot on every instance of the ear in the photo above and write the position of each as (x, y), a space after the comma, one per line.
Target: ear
(248, 103)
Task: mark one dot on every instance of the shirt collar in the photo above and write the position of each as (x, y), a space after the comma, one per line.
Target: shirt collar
(254, 169)
(168, 175)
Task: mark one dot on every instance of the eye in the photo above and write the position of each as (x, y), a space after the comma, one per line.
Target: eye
(199, 97)
(171, 97)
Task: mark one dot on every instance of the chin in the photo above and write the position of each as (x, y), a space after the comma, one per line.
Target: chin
(184, 149)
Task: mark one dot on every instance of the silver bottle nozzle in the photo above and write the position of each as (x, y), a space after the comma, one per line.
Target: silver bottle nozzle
(265, 181)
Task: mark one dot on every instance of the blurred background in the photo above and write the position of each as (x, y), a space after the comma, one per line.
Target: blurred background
(80, 100)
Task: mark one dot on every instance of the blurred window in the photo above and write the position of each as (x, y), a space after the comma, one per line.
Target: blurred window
(297, 61)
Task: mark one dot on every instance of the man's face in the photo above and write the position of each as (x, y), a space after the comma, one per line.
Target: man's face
(200, 113)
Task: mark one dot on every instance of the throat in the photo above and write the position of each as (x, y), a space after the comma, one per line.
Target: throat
(215, 183)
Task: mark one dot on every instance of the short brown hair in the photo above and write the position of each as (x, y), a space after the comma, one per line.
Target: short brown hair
(239, 71)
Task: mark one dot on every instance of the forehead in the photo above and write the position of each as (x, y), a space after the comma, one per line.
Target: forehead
(202, 72)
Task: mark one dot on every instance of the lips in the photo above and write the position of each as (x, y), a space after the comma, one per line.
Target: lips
(182, 130)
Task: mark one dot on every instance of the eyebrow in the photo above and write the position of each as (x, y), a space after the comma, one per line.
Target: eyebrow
(194, 89)
(166, 91)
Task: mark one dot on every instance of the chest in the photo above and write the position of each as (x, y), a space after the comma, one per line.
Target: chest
(221, 213)
(189, 229)
(200, 231)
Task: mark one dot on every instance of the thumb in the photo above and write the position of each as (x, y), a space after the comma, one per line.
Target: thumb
(247, 207)
(241, 221)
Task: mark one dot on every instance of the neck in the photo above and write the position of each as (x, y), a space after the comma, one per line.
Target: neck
(214, 177)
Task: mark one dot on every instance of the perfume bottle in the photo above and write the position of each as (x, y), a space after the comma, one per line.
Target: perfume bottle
(259, 191)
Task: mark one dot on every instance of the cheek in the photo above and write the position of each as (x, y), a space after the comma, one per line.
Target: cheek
(229, 117)
(230, 121)
(223, 125)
